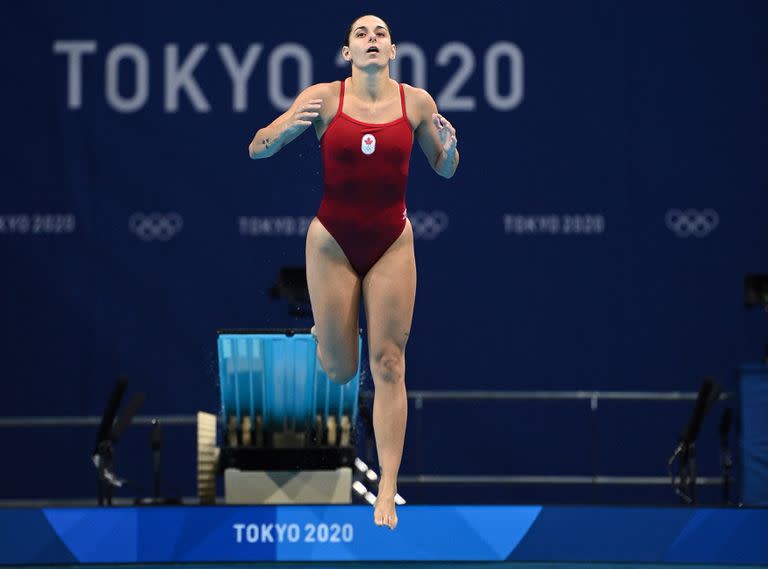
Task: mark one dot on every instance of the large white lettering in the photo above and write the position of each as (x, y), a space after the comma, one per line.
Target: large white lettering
(133, 53)
(275, 73)
(178, 78)
(239, 72)
(180, 65)
(74, 50)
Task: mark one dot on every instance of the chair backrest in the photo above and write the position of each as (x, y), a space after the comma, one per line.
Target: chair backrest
(276, 375)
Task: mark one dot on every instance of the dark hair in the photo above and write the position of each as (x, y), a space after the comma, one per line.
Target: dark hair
(349, 30)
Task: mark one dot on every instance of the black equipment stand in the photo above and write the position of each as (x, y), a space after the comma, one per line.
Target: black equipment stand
(110, 430)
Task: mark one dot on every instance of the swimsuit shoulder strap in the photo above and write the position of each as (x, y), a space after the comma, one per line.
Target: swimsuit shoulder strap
(402, 100)
(341, 97)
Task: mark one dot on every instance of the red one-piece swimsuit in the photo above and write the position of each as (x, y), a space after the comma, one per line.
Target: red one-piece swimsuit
(365, 174)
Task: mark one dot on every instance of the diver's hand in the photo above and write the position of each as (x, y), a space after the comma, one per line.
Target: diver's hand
(303, 118)
(446, 132)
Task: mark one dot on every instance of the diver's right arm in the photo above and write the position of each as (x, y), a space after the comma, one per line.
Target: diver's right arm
(270, 139)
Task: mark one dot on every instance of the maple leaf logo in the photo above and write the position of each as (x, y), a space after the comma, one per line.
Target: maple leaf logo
(368, 140)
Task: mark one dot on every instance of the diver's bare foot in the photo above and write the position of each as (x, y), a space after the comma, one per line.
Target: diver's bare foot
(384, 511)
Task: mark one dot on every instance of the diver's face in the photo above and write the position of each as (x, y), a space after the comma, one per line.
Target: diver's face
(369, 43)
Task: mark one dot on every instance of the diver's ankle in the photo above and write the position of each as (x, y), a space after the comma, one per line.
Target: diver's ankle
(387, 490)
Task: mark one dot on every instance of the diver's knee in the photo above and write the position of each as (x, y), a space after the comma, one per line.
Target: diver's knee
(341, 374)
(388, 366)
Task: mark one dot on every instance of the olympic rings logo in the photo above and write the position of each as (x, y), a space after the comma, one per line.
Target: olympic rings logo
(692, 222)
(155, 226)
(428, 225)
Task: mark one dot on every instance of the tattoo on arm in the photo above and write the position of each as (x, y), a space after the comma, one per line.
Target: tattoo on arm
(266, 142)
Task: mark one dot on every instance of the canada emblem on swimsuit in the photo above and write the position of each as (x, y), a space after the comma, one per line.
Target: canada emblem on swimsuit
(368, 144)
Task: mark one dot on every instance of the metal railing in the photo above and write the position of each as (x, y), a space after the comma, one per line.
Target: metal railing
(419, 397)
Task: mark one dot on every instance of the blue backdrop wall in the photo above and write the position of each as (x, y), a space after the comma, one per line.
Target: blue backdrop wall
(610, 199)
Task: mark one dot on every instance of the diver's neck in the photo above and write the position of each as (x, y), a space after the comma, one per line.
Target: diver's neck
(371, 87)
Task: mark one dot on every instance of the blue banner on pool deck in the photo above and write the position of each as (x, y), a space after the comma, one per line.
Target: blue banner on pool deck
(346, 533)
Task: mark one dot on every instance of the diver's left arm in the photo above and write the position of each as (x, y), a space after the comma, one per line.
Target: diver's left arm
(436, 136)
